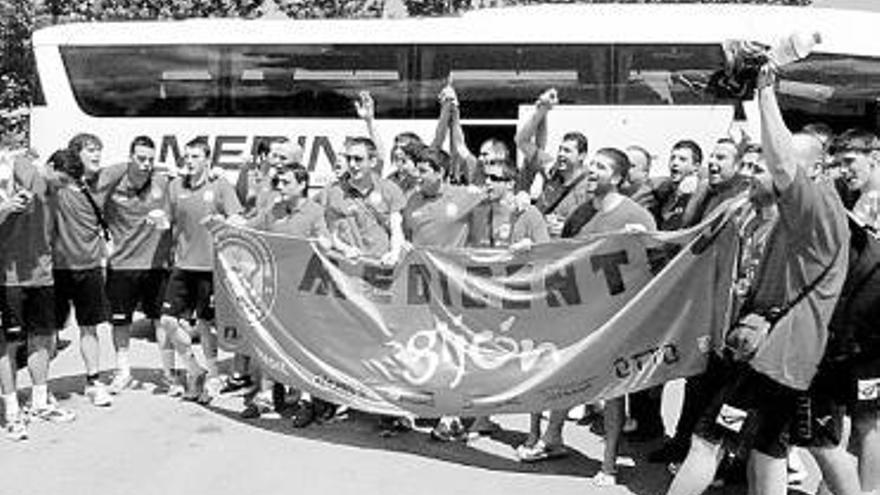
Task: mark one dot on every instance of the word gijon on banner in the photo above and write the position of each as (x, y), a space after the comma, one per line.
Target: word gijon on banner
(418, 359)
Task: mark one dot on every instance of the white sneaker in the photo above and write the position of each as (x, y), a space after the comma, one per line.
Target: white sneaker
(121, 381)
(53, 414)
(213, 386)
(16, 429)
(99, 395)
(604, 479)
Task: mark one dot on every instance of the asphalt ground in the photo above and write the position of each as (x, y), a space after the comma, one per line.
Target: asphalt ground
(152, 444)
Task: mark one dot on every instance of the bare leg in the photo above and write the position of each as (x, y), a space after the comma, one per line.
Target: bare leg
(698, 469)
(767, 475)
(88, 348)
(866, 428)
(209, 346)
(615, 415)
(553, 433)
(121, 343)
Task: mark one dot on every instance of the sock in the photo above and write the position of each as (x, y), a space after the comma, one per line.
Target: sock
(122, 364)
(40, 396)
(11, 403)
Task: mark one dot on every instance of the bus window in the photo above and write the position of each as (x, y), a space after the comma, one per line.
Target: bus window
(493, 80)
(664, 74)
(317, 80)
(141, 81)
(839, 90)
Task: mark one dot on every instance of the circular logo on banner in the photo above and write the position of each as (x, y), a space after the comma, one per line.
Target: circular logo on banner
(252, 281)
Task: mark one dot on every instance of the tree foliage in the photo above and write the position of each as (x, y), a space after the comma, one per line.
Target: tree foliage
(18, 19)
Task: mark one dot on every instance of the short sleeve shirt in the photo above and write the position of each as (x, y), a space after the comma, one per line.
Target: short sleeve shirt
(362, 218)
(25, 238)
(194, 247)
(78, 243)
(139, 221)
(498, 225)
(810, 237)
(442, 220)
(627, 212)
(306, 219)
(554, 188)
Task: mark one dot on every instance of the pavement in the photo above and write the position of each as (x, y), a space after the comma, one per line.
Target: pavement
(152, 444)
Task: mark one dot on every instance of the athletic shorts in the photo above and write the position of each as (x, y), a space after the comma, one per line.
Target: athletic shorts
(189, 292)
(864, 375)
(819, 421)
(751, 411)
(128, 288)
(27, 311)
(85, 289)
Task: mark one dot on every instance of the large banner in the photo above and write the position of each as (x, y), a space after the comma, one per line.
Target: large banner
(472, 332)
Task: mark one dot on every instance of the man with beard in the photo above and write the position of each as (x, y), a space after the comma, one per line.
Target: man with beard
(790, 277)
(607, 211)
(564, 188)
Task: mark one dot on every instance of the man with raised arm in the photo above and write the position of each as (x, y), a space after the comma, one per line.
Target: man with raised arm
(783, 316)
(564, 187)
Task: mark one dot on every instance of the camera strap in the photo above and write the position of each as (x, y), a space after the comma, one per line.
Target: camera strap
(102, 223)
(778, 313)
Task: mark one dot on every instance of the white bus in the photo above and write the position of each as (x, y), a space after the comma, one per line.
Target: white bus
(637, 67)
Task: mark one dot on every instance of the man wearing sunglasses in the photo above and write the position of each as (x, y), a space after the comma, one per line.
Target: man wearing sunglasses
(363, 209)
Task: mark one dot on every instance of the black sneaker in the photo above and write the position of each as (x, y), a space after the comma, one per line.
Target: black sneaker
(303, 414)
(235, 383)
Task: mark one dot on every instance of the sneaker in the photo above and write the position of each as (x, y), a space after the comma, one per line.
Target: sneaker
(16, 429)
(195, 387)
(53, 414)
(98, 395)
(605, 479)
(259, 406)
(304, 413)
(236, 384)
(449, 430)
(211, 390)
(121, 381)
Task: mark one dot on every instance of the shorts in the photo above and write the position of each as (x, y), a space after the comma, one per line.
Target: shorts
(864, 375)
(819, 422)
(751, 411)
(27, 311)
(189, 292)
(85, 289)
(127, 288)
